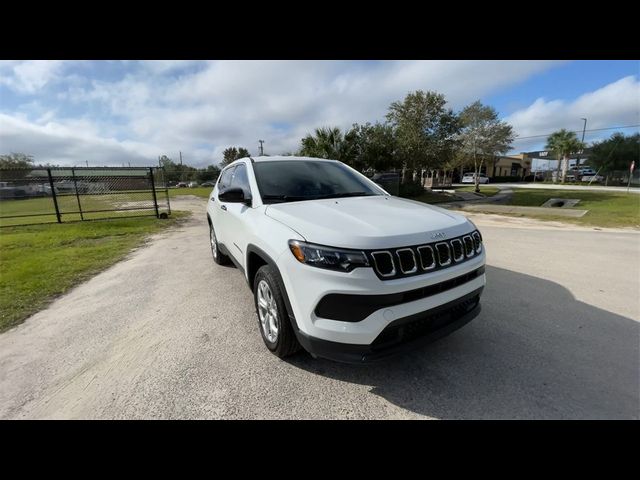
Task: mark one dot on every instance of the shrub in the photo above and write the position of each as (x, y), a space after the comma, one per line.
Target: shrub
(411, 189)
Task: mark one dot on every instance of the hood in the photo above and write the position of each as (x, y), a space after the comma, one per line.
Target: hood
(368, 222)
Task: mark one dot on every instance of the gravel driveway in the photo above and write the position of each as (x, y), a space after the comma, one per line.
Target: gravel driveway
(168, 334)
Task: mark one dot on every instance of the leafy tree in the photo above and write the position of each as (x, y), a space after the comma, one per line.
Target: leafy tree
(616, 153)
(374, 147)
(424, 128)
(16, 160)
(562, 143)
(329, 142)
(232, 154)
(177, 172)
(483, 135)
(208, 174)
(229, 155)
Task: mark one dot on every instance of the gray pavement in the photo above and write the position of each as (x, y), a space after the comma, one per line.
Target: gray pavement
(168, 334)
(551, 186)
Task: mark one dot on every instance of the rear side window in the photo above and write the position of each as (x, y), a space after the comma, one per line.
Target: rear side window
(225, 179)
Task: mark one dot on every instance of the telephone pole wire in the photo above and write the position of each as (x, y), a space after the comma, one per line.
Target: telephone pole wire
(261, 149)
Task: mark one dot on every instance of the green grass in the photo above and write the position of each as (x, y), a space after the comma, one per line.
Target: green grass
(44, 210)
(486, 191)
(606, 209)
(40, 262)
(202, 192)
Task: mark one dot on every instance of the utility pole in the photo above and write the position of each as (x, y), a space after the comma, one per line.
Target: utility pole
(87, 162)
(584, 128)
(261, 149)
(180, 158)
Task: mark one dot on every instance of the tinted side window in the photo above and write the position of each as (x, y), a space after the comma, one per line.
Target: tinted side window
(241, 180)
(225, 179)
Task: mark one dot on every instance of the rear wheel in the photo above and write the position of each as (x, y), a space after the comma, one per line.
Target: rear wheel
(218, 257)
(275, 327)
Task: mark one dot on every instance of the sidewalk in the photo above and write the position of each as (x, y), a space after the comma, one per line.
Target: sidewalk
(500, 198)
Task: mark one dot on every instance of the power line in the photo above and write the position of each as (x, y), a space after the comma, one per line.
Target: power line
(578, 131)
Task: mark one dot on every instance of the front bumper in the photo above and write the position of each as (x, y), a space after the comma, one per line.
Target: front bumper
(402, 334)
(306, 286)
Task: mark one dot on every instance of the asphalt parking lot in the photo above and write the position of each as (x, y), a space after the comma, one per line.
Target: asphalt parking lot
(168, 334)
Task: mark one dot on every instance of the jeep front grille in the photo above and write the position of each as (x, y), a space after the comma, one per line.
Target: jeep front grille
(415, 260)
(477, 241)
(384, 263)
(469, 248)
(444, 254)
(427, 260)
(456, 248)
(407, 260)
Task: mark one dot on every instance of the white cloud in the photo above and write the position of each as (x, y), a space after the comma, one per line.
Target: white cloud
(29, 76)
(70, 144)
(161, 107)
(616, 104)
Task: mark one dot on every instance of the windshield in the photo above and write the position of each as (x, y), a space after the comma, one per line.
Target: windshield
(292, 180)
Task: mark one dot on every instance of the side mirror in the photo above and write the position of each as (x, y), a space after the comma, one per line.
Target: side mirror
(234, 195)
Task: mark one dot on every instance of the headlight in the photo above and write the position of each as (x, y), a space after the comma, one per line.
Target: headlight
(327, 257)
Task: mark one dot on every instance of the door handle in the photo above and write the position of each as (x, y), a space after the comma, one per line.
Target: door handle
(223, 207)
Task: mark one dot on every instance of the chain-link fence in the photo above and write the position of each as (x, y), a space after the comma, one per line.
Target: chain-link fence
(55, 195)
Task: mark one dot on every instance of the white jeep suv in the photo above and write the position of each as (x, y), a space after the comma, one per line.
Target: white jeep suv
(336, 264)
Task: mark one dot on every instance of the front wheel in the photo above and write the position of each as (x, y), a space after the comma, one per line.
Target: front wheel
(218, 257)
(275, 327)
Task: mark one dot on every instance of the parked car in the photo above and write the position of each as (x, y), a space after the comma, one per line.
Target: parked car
(583, 170)
(390, 181)
(207, 184)
(471, 178)
(182, 185)
(11, 191)
(385, 177)
(336, 265)
(594, 178)
(193, 184)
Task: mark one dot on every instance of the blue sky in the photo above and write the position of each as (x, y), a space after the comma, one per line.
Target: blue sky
(112, 112)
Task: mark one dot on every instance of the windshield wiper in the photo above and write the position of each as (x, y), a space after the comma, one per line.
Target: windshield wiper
(346, 194)
(284, 198)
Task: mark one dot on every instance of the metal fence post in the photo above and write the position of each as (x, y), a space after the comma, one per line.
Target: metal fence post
(166, 190)
(153, 189)
(75, 184)
(53, 195)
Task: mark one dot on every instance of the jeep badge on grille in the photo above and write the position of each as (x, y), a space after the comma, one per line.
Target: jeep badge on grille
(438, 235)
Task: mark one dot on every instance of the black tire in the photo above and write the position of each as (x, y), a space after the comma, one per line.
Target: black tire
(218, 257)
(285, 343)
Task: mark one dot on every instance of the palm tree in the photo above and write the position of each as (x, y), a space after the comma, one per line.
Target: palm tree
(326, 142)
(562, 143)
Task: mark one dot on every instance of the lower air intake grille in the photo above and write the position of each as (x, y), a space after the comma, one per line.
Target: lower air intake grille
(423, 324)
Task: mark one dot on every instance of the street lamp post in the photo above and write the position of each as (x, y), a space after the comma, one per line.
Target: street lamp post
(584, 128)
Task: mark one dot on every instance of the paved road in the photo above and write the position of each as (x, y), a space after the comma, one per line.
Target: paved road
(551, 186)
(167, 334)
